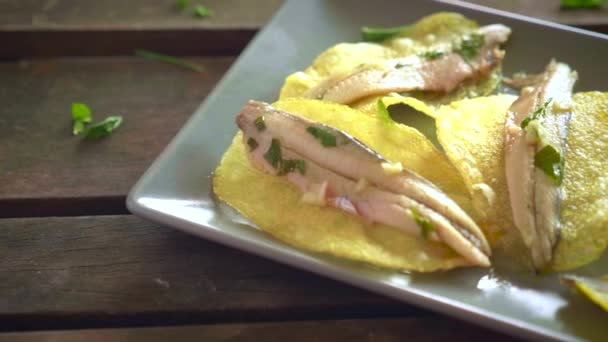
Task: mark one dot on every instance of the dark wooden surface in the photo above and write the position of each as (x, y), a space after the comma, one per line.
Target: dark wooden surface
(387, 329)
(71, 257)
(65, 175)
(49, 28)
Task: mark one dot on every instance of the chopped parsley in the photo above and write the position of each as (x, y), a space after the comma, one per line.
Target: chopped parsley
(581, 3)
(103, 128)
(181, 4)
(470, 45)
(259, 123)
(290, 165)
(431, 54)
(538, 113)
(202, 11)
(275, 158)
(252, 144)
(550, 161)
(324, 135)
(378, 34)
(273, 155)
(159, 57)
(81, 116)
(383, 113)
(426, 226)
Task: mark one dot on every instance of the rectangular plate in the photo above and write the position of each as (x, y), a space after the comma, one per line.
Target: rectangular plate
(176, 189)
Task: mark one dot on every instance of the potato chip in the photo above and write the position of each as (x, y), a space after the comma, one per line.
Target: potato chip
(584, 216)
(472, 135)
(274, 204)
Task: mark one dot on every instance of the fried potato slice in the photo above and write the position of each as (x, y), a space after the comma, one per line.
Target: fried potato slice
(594, 289)
(471, 133)
(274, 204)
(584, 216)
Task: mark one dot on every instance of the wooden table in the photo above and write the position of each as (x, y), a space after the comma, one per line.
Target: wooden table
(74, 265)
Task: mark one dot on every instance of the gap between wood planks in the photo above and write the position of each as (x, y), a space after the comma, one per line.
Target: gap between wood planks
(48, 207)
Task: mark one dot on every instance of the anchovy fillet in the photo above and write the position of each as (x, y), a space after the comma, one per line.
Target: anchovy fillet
(344, 173)
(535, 196)
(440, 74)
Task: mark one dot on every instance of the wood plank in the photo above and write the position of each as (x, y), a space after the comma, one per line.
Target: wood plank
(116, 27)
(44, 170)
(388, 329)
(591, 19)
(112, 271)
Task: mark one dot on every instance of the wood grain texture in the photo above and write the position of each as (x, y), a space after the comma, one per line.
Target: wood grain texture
(133, 14)
(108, 271)
(47, 28)
(44, 170)
(388, 329)
(592, 19)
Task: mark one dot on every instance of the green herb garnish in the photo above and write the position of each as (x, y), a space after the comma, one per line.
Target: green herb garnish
(81, 116)
(252, 144)
(259, 123)
(202, 11)
(378, 34)
(273, 155)
(581, 3)
(103, 128)
(154, 56)
(426, 226)
(539, 112)
(383, 114)
(470, 45)
(289, 165)
(550, 161)
(324, 135)
(181, 4)
(431, 54)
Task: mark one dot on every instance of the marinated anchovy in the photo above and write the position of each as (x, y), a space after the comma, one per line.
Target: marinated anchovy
(473, 56)
(536, 130)
(332, 168)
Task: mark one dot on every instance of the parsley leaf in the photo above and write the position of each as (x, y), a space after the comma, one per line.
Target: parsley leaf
(289, 165)
(581, 3)
(202, 11)
(426, 226)
(383, 113)
(273, 155)
(159, 57)
(470, 45)
(252, 144)
(81, 115)
(550, 161)
(103, 128)
(539, 112)
(324, 135)
(431, 54)
(259, 123)
(181, 4)
(378, 34)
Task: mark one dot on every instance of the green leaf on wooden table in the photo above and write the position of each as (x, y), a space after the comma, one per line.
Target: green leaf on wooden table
(581, 3)
(202, 11)
(154, 56)
(103, 128)
(81, 115)
(181, 4)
